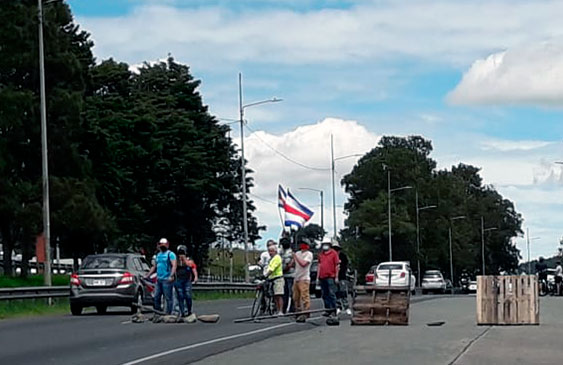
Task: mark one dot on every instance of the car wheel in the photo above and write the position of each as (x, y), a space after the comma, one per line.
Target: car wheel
(137, 302)
(413, 292)
(75, 309)
(101, 309)
(424, 291)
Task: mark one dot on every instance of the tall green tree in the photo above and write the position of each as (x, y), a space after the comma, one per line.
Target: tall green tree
(68, 58)
(455, 193)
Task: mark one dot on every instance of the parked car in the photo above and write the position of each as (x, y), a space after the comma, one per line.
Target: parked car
(110, 280)
(433, 281)
(401, 275)
(370, 276)
(473, 286)
(314, 287)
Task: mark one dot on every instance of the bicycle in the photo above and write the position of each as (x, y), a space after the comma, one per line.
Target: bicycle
(264, 299)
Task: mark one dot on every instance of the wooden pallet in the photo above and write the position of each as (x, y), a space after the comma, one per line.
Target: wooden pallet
(380, 306)
(508, 300)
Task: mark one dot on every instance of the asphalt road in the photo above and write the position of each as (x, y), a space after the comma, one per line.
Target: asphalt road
(112, 339)
(458, 341)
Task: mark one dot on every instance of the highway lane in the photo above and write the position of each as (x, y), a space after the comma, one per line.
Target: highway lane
(113, 339)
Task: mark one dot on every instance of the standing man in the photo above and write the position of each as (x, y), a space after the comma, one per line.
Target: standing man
(288, 275)
(301, 298)
(275, 274)
(343, 282)
(558, 277)
(265, 257)
(165, 267)
(329, 264)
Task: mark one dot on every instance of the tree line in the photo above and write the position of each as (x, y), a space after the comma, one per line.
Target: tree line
(458, 192)
(133, 156)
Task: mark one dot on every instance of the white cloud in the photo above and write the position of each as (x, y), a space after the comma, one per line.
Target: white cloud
(438, 30)
(308, 145)
(505, 145)
(531, 75)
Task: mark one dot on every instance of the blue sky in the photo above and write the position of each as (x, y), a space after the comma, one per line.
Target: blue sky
(482, 79)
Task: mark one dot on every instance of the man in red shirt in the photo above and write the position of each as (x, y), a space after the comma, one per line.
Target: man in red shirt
(329, 264)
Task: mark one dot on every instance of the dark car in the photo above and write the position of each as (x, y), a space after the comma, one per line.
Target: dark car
(313, 287)
(110, 280)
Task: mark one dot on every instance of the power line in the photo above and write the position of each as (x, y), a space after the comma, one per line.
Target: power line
(285, 156)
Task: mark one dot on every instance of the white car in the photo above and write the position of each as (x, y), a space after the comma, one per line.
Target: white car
(433, 280)
(473, 286)
(401, 275)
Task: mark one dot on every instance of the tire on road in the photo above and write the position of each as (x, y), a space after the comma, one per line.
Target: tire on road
(75, 309)
(257, 303)
(101, 309)
(137, 302)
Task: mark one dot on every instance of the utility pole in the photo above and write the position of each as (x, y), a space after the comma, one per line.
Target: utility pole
(418, 209)
(243, 177)
(389, 211)
(44, 152)
(483, 245)
(528, 239)
(451, 255)
(333, 187)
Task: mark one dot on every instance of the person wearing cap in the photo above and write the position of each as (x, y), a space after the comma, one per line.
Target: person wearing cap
(275, 274)
(343, 282)
(288, 274)
(301, 296)
(165, 267)
(329, 265)
(186, 275)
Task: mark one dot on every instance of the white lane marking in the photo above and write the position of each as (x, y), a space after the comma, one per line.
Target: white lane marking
(245, 307)
(195, 345)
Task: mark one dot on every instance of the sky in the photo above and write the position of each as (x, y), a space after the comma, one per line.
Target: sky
(482, 79)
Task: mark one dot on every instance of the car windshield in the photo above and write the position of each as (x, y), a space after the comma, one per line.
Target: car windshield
(432, 276)
(104, 262)
(390, 267)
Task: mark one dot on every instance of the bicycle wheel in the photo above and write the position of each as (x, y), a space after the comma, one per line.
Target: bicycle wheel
(257, 304)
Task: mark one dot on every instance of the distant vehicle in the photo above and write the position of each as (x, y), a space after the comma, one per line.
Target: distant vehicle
(433, 281)
(314, 287)
(370, 276)
(110, 280)
(473, 286)
(401, 275)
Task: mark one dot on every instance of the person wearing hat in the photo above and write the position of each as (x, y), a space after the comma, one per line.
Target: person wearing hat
(329, 265)
(165, 267)
(343, 282)
(186, 275)
(301, 297)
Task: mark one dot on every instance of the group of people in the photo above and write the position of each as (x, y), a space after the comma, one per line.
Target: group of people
(175, 275)
(541, 269)
(290, 275)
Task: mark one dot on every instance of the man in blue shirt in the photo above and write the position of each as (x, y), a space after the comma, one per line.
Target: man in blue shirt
(165, 267)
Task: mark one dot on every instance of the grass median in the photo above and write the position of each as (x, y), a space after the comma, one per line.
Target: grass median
(32, 280)
(40, 307)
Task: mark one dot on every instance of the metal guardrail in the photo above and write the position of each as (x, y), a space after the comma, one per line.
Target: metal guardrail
(40, 292)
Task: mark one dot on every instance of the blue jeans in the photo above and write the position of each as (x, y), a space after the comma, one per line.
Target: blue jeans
(184, 291)
(328, 288)
(163, 287)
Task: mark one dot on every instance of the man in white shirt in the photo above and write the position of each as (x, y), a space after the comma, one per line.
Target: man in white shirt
(265, 257)
(558, 277)
(303, 259)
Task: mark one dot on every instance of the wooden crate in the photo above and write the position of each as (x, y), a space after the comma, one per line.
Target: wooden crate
(508, 300)
(380, 306)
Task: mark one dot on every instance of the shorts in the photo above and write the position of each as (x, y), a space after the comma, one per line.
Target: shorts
(278, 286)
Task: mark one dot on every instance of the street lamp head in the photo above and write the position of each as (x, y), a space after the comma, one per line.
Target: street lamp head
(458, 217)
(428, 207)
(276, 100)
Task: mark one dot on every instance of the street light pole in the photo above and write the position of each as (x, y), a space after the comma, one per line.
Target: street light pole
(333, 187)
(418, 209)
(243, 170)
(389, 213)
(44, 152)
(322, 204)
(483, 230)
(451, 249)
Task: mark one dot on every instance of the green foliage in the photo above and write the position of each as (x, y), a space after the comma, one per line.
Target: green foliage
(31, 280)
(132, 156)
(458, 192)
